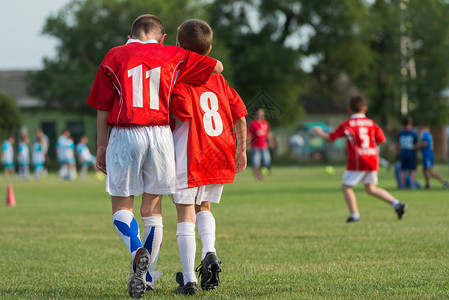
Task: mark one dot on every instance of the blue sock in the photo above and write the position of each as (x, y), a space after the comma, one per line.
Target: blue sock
(128, 230)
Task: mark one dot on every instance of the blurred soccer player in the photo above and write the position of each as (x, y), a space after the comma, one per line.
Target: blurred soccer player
(261, 140)
(85, 158)
(131, 93)
(426, 146)
(23, 157)
(71, 160)
(362, 135)
(8, 157)
(408, 143)
(44, 142)
(38, 157)
(61, 153)
(206, 157)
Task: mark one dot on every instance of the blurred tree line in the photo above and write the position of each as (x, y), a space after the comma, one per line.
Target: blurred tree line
(394, 52)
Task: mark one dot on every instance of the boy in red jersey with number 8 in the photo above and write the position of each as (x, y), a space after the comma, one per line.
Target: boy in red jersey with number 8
(131, 93)
(363, 136)
(206, 157)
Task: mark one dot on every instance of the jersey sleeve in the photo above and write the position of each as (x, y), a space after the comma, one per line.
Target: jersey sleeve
(379, 135)
(196, 68)
(238, 108)
(180, 105)
(103, 91)
(338, 132)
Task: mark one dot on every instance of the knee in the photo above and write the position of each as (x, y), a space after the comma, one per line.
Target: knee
(370, 189)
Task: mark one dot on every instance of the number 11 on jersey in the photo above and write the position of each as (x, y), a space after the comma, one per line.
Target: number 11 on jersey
(138, 82)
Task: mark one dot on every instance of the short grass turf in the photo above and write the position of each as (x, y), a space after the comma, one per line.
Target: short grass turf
(283, 238)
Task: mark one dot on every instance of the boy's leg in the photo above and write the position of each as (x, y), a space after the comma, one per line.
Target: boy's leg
(256, 162)
(427, 177)
(399, 207)
(210, 264)
(380, 193)
(125, 223)
(185, 235)
(402, 179)
(351, 202)
(152, 233)
(437, 176)
(206, 228)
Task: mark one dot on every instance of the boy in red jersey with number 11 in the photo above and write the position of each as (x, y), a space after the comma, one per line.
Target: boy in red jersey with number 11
(363, 135)
(206, 157)
(131, 92)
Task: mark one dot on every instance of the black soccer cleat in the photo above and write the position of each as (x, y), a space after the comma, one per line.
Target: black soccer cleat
(401, 209)
(209, 270)
(352, 220)
(139, 267)
(186, 289)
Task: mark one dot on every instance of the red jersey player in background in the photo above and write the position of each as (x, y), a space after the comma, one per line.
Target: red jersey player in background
(363, 135)
(261, 140)
(131, 93)
(206, 157)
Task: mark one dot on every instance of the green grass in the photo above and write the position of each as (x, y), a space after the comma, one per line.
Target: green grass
(284, 238)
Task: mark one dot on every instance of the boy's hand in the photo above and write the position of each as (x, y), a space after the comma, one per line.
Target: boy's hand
(240, 162)
(101, 159)
(317, 130)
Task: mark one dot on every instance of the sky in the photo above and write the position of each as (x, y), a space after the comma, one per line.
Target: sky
(23, 47)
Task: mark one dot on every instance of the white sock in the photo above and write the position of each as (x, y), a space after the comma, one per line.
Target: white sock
(355, 215)
(206, 231)
(185, 235)
(395, 202)
(128, 230)
(152, 234)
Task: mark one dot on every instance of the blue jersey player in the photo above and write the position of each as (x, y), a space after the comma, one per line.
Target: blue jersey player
(408, 142)
(426, 146)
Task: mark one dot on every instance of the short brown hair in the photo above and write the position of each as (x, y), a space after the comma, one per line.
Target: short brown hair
(406, 120)
(357, 103)
(147, 23)
(195, 35)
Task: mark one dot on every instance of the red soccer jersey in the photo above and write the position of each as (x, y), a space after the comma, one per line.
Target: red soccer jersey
(363, 135)
(204, 132)
(135, 81)
(258, 131)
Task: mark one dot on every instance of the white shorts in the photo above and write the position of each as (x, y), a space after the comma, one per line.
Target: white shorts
(140, 160)
(351, 178)
(199, 194)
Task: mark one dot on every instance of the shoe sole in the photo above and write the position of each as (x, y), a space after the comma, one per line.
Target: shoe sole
(404, 211)
(137, 284)
(213, 280)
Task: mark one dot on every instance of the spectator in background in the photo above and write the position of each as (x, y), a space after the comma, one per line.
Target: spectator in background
(8, 157)
(23, 157)
(261, 140)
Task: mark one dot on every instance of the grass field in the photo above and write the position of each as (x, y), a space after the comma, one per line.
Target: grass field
(285, 238)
